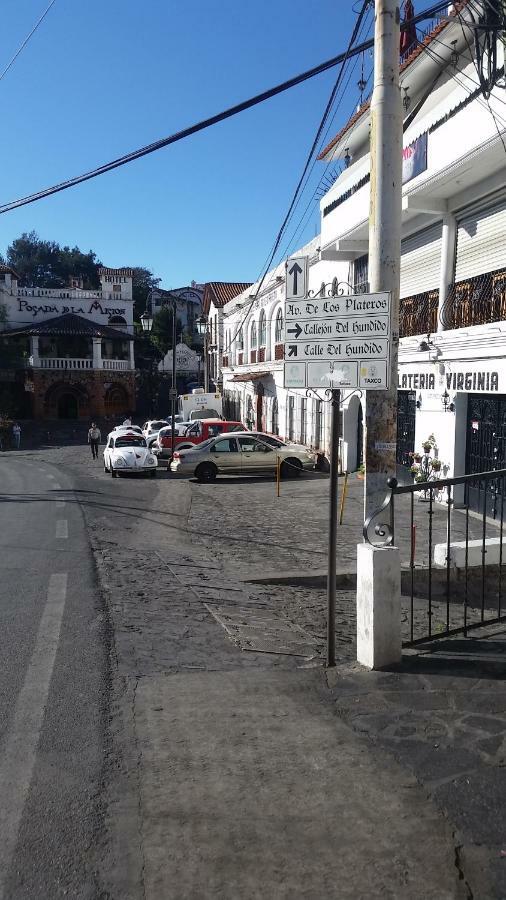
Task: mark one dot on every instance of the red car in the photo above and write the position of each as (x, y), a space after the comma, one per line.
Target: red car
(197, 433)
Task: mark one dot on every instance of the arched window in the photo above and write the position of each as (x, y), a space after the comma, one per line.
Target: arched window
(254, 336)
(278, 331)
(262, 330)
(240, 339)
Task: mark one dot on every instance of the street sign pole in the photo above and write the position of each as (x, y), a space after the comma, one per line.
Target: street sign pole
(332, 549)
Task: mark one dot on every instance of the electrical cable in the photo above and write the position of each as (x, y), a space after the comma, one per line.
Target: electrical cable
(27, 38)
(212, 120)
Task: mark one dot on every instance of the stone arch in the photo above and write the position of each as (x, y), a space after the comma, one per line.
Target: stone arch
(66, 400)
(116, 400)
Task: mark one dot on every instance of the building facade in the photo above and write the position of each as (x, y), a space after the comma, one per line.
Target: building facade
(76, 346)
(452, 362)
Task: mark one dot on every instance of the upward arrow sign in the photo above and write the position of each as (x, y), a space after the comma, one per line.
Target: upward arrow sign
(295, 271)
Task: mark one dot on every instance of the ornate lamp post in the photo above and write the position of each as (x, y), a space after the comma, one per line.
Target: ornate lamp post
(202, 324)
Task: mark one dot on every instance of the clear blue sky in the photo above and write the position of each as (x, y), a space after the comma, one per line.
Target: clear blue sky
(101, 78)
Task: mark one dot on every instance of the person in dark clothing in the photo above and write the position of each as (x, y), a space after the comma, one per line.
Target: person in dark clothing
(94, 440)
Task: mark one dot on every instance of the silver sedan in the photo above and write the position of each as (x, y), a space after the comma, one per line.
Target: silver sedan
(242, 453)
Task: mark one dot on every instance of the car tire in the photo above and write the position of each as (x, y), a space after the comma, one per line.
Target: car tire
(206, 472)
(113, 472)
(291, 468)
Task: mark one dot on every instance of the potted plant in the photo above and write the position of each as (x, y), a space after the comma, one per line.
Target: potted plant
(361, 472)
(436, 465)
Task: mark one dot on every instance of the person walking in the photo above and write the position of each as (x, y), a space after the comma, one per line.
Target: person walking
(128, 421)
(16, 434)
(94, 439)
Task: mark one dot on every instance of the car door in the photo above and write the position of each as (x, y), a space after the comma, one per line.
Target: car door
(225, 455)
(256, 455)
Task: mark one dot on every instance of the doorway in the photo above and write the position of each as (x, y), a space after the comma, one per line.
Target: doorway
(485, 448)
(360, 436)
(68, 406)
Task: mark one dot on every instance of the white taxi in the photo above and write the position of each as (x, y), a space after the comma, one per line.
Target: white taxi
(128, 452)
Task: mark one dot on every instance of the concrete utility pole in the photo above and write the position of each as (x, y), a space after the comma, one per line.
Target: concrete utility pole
(384, 241)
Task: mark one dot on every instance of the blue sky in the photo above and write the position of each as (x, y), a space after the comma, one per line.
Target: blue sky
(101, 78)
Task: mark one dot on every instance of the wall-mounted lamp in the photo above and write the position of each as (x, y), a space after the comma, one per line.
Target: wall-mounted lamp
(448, 406)
(454, 55)
(419, 402)
(347, 157)
(406, 100)
(426, 345)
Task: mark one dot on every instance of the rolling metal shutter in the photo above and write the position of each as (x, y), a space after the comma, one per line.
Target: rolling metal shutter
(481, 242)
(421, 261)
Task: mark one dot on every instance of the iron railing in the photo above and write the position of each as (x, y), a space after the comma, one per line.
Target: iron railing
(418, 314)
(450, 535)
(476, 301)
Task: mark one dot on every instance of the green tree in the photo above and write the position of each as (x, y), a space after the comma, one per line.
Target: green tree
(143, 282)
(42, 263)
(161, 332)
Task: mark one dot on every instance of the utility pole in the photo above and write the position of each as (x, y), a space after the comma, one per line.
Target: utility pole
(173, 392)
(384, 241)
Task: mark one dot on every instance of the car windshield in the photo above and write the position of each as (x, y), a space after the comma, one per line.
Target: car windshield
(130, 440)
(155, 426)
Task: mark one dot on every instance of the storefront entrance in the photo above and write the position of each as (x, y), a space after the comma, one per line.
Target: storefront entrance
(486, 447)
(406, 414)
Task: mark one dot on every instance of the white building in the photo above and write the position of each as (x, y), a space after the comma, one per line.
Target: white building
(453, 270)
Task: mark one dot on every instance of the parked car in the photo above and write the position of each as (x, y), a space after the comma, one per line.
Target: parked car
(151, 428)
(194, 434)
(243, 453)
(128, 452)
(127, 429)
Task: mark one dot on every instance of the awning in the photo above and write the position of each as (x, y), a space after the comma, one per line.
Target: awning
(250, 376)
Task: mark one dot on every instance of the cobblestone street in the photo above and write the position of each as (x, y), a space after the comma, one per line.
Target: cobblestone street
(225, 580)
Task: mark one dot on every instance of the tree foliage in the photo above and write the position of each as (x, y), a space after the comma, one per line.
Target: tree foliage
(161, 332)
(143, 282)
(42, 263)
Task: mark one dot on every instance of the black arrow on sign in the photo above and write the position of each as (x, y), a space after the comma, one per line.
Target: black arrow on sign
(296, 331)
(295, 271)
(292, 349)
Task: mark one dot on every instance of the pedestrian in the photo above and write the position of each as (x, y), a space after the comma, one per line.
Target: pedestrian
(16, 433)
(127, 421)
(94, 439)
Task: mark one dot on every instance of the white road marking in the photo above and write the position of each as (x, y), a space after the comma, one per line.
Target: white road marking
(62, 528)
(17, 762)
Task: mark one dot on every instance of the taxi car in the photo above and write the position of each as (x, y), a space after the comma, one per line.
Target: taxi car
(128, 452)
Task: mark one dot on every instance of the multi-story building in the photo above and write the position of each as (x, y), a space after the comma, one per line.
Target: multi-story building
(216, 296)
(79, 356)
(452, 359)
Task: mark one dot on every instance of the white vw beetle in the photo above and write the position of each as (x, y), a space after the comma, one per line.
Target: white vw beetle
(128, 452)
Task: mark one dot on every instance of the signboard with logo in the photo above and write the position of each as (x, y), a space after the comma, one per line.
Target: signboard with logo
(186, 360)
(338, 342)
(414, 158)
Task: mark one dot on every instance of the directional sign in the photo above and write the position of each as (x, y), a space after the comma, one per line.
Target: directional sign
(338, 342)
(297, 277)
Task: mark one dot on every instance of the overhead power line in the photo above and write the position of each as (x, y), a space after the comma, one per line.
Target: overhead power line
(212, 120)
(27, 38)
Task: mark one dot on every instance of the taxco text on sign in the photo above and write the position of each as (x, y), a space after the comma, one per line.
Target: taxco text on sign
(296, 277)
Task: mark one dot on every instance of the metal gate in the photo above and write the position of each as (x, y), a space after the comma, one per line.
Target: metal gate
(485, 448)
(406, 414)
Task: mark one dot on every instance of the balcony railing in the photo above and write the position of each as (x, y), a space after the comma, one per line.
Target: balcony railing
(224, 361)
(279, 351)
(70, 294)
(57, 362)
(253, 356)
(240, 358)
(476, 301)
(119, 365)
(418, 314)
(261, 355)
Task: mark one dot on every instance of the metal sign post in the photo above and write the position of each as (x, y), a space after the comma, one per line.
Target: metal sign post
(332, 549)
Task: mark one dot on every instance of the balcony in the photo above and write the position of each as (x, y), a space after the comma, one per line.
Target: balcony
(253, 356)
(279, 351)
(76, 364)
(418, 314)
(225, 362)
(261, 355)
(240, 358)
(118, 365)
(476, 301)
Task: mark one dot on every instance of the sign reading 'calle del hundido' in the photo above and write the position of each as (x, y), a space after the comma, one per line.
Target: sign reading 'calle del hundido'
(338, 341)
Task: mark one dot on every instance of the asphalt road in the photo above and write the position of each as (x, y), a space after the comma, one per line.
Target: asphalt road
(53, 687)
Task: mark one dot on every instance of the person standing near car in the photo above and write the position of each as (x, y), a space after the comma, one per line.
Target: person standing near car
(94, 439)
(16, 434)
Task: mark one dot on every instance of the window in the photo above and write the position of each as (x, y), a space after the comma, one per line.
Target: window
(317, 423)
(116, 288)
(240, 340)
(254, 336)
(275, 420)
(278, 333)
(361, 275)
(130, 441)
(250, 445)
(303, 420)
(291, 418)
(262, 331)
(229, 445)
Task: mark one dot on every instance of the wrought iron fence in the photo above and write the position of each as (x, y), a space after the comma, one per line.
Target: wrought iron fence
(451, 556)
(476, 301)
(418, 314)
